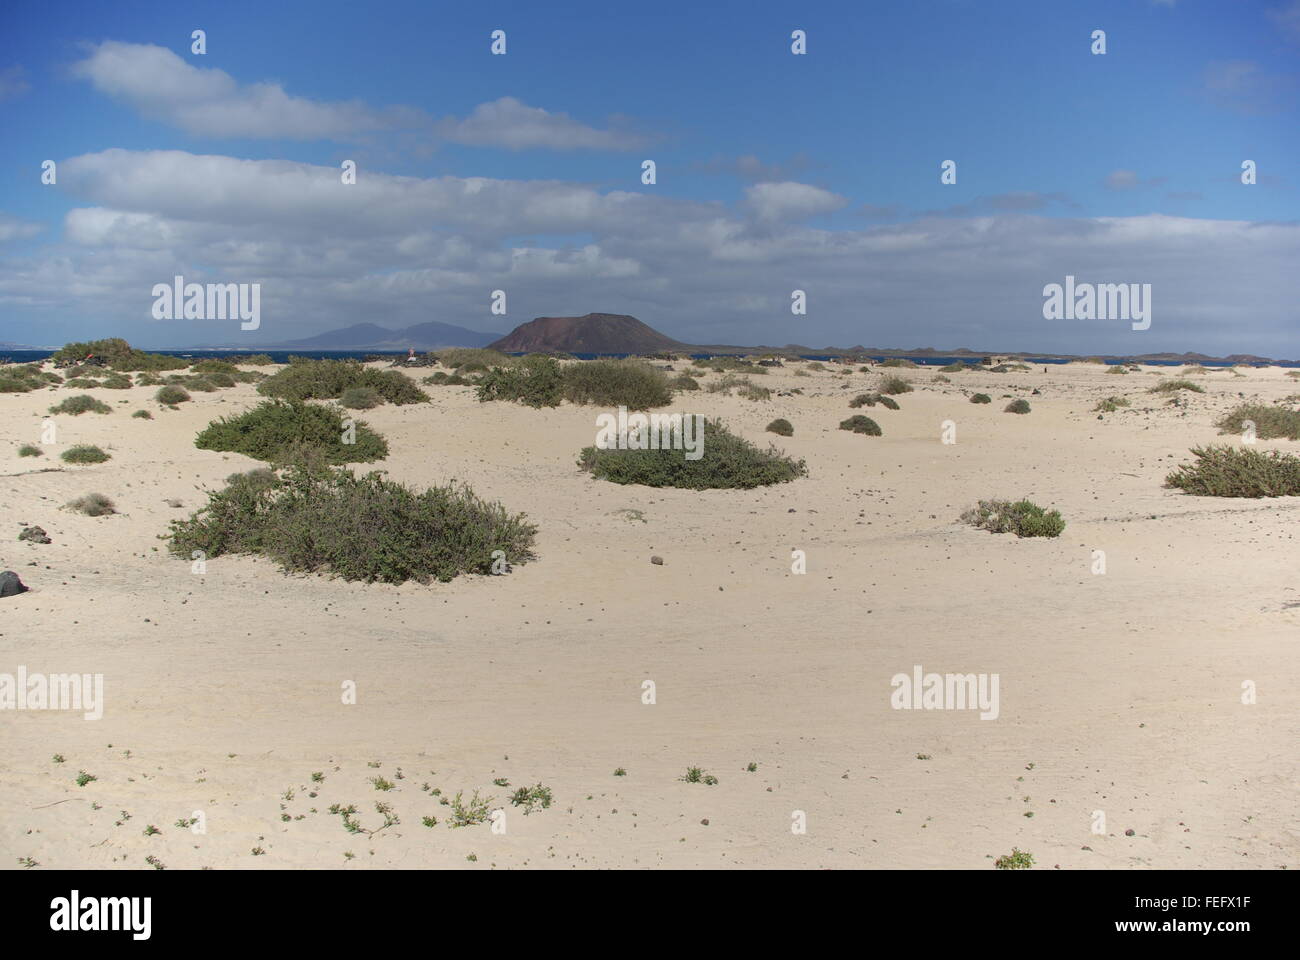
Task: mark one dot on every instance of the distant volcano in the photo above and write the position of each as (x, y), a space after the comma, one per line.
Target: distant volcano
(594, 333)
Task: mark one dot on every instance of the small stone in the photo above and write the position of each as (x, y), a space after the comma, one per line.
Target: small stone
(11, 585)
(657, 561)
(1130, 832)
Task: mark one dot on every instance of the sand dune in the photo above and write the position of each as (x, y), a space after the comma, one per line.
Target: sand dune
(1120, 692)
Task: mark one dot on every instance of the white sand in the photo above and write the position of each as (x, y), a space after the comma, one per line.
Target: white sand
(1119, 693)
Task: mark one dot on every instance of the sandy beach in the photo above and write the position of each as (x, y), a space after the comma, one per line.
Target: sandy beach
(1120, 693)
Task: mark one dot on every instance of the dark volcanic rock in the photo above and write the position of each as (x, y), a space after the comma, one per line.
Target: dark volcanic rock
(34, 534)
(594, 333)
(10, 585)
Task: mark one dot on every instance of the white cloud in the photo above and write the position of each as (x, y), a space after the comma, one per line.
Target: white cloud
(208, 101)
(399, 250)
(11, 228)
(790, 201)
(514, 125)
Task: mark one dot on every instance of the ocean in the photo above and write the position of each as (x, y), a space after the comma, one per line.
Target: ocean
(282, 356)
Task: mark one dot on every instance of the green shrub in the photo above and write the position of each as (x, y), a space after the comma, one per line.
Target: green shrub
(201, 384)
(534, 381)
(143, 415)
(897, 362)
(1170, 386)
(441, 379)
(1017, 859)
(1270, 422)
(889, 403)
(728, 462)
(894, 385)
(214, 366)
(864, 400)
(725, 364)
(743, 386)
(860, 424)
(1023, 518)
(84, 453)
(119, 355)
(252, 359)
(1016, 406)
(171, 395)
(9, 384)
(781, 427)
(956, 367)
(219, 379)
(1116, 369)
(358, 528)
(327, 379)
(27, 450)
(81, 403)
(81, 383)
(459, 356)
(617, 383)
(684, 382)
(1110, 404)
(1236, 472)
(360, 398)
(277, 431)
(93, 505)
(980, 398)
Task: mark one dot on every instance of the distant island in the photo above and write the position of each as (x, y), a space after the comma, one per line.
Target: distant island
(617, 333)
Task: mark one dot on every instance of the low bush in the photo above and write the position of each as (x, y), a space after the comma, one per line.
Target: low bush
(897, 362)
(1223, 471)
(171, 395)
(864, 400)
(742, 386)
(613, 383)
(322, 519)
(360, 398)
(28, 450)
(1110, 404)
(441, 379)
(781, 427)
(1270, 422)
(1117, 369)
(684, 382)
(81, 403)
(1023, 518)
(1016, 406)
(214, 366)
(980, 398)
(860, 424)
(1170, 386)
(454, 357)
(534, 381)
(728, 462)
(84, 453)
(895, 385)
(143, 415)
(119, 355)
(279, 431)
(93, 505)
(328, 379)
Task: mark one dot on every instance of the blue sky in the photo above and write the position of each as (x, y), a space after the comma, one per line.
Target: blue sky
(775, 172)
